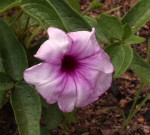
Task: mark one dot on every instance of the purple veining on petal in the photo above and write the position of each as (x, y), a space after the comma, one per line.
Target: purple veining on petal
(75, 71)
(67, 99)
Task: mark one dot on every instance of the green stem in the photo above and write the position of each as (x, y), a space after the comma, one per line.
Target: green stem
(32, 36)
(136, 98)
(15, 20)
(134, 110)
(137, 109)
(87, 10)
(25, 29)
(27, 23)
(140, 105)
(6, 17)
(5, 100)
(115, 108)
(112, 10)
(148, 52)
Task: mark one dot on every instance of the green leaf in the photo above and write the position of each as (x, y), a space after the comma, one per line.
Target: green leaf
(32, 21)
(12, 53)
(141, 68)
(44, 131)
(111, 26)
(121, 57)
(52, 115)
(7, 4)
(75, 4)
(102, 37)
(134, 40)
(96, 5)
(85, 133)
(72, 20)
(32, 50)
(55, 13)
(1, 63)
(2, 96)
(127, 31)
(27, 109)
(70, 117)
(138, 15)
(5, 82)
(45, 15)
(148, 51)
(2, 93)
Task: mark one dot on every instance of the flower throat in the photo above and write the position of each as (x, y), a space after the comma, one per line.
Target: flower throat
(69, 63)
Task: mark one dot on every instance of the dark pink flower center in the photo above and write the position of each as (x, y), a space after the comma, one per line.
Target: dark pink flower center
(69, 63)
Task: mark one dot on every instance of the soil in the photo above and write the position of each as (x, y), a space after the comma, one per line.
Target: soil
(103, 117)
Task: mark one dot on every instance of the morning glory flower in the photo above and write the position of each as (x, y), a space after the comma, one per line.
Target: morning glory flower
(75, 71)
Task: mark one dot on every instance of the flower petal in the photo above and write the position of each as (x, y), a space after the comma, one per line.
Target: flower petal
(67, 100)
(106, 64)
(87, 74)
(84, 44)
(91, 84)
(100, 61)
(103, 83)
(83, 92)
(85, 82)
(54, 48)
(39, 73)
(51, 89)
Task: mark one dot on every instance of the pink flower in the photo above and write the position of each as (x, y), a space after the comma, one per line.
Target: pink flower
(75, 71)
